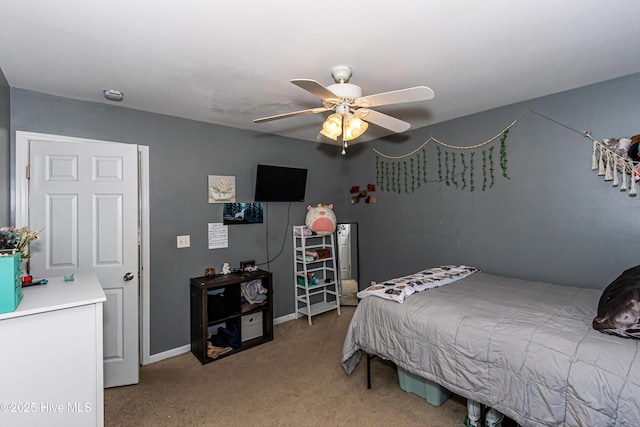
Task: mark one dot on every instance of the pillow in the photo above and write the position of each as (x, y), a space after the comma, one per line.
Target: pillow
(619, 306)
(399, 289)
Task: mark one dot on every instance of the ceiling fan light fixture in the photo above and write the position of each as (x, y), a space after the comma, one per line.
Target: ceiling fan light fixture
(354, 128)
(332, 126)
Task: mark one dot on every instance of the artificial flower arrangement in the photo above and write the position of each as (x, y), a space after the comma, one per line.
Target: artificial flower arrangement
(222, 186)
(18, 239)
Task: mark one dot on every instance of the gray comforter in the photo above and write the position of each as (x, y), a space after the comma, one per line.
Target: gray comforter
(525, 348)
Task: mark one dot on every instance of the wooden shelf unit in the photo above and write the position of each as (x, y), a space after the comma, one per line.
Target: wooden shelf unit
(207, 315)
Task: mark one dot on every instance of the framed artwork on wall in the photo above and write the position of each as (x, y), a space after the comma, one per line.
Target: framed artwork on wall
(221, 188)
(242, 213)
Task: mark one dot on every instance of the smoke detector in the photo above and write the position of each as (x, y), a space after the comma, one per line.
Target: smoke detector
(113, 95)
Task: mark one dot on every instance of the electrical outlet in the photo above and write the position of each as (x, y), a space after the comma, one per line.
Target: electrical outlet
(184, 241)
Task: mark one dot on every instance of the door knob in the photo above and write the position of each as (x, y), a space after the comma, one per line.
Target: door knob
(128, 276)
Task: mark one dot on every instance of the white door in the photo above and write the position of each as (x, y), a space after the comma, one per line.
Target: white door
(84, 196)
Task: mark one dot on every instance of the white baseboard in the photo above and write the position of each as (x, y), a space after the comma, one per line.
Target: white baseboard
(170, 353)
(283, 319)
(187, 348)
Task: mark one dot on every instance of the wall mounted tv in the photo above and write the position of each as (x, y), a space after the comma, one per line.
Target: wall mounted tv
(280, 184)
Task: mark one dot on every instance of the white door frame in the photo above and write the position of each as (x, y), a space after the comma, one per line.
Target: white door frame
(22, 218)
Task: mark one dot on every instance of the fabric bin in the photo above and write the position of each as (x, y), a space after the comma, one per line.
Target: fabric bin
(433, 393)
(251, 326)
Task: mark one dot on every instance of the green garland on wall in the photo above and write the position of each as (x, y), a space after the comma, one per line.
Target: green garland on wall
(447, 170)
(503, 153)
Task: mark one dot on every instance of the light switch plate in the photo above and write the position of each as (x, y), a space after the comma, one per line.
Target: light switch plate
(184, 241)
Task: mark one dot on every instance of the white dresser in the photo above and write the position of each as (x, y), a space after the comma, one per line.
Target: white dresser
(51, 355)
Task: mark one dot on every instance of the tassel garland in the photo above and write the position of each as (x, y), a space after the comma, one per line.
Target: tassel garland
(609, 164)
(601, 162)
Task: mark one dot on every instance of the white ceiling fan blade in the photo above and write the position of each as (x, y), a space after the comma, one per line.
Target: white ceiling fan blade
(316, 89)
(382, 120)
(412, 94)
(292, 114)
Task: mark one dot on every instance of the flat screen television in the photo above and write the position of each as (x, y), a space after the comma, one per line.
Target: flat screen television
(280, 184)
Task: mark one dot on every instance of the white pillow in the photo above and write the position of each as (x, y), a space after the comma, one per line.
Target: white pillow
(402, 287)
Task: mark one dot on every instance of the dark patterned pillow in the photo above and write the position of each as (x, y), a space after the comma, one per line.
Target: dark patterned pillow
(619, 306)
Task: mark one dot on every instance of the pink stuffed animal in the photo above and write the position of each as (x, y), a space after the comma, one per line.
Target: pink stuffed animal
(321, 219)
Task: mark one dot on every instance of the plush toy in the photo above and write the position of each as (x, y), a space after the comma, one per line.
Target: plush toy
(226, 269)
(321, 219)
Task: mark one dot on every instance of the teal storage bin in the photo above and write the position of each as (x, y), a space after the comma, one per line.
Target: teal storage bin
(10, 282)
(313, 281)
(428, 390)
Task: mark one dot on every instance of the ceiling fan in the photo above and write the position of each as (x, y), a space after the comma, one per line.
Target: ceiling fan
(351, 111)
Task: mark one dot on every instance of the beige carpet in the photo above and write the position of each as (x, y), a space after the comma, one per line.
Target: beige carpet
(294, 380)
(349, 292)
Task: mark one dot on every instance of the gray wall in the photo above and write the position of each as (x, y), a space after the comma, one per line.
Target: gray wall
(182, 154)
(5, 151)
(554, 220)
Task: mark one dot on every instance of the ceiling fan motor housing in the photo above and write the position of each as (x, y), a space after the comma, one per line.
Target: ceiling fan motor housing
(346, 90)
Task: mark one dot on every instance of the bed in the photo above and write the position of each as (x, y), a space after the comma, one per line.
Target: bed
(524, 348)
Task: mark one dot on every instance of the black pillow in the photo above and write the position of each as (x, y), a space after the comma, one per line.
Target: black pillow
(634, 152)
(619, 306)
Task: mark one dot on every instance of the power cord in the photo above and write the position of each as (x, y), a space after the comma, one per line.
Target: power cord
(286, 230)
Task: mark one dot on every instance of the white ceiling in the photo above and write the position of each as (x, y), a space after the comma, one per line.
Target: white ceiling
(232, 62)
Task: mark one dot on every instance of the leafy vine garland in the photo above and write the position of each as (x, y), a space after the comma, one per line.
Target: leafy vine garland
(447, 169)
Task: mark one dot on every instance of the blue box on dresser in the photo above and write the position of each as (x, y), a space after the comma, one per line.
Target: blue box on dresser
(10, 282)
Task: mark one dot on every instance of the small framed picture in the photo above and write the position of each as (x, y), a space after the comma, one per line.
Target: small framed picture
(222, 189)
(242, 213)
